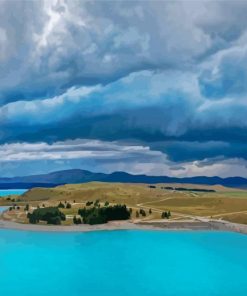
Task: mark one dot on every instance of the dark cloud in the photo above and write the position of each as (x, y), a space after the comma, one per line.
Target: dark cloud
(170, 75)
(53, 45)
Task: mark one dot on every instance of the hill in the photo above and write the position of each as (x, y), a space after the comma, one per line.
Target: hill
(216, 202)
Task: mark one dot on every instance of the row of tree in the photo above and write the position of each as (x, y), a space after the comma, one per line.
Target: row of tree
(166, 215)
(142, 213)
(100, 215)
(67, 205)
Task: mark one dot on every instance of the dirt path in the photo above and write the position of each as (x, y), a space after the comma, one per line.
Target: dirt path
(152, 202)
(231, 213)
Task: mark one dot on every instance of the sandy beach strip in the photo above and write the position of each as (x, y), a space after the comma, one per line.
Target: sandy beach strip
(114, 225)
(127, 225)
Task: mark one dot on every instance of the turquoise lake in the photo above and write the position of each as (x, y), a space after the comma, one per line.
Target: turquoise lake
(123, 263)
(12, 191)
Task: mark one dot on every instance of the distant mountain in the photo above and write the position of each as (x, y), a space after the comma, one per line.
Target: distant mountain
(82, 176)
(26, 185)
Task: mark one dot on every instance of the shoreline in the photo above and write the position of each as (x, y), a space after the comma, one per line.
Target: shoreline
(127, 225)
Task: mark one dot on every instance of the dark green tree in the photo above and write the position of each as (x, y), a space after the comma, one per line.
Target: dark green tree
(61, 205)
(26, 207)
(68, 205)
(51, 215)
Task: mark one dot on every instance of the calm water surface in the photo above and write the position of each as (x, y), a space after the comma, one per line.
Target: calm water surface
(123, 263)
(11, 191)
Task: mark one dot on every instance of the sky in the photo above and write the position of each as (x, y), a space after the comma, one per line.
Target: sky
(145, 87)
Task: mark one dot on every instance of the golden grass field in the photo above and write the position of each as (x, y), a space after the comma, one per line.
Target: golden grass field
(226, 203)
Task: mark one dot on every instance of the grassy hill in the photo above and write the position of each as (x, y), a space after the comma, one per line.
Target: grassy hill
(222, 202)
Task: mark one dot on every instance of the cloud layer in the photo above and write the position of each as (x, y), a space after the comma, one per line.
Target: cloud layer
(169, 77)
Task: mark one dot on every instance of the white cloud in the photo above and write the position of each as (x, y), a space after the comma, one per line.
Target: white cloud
(72, 150)
(224, 168)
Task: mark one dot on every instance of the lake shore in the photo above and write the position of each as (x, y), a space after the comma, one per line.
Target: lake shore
(127, 225)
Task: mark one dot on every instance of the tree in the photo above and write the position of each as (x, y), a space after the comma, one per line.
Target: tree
(137, 214)
(26, 208)
(61, 205)
(150, 211)
(32, 218)
(96, 202)
(54, 220)
(68, 205)
(106, 203)
(77, 220)
(143, 213)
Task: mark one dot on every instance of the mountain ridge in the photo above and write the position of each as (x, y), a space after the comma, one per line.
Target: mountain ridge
(76, 176)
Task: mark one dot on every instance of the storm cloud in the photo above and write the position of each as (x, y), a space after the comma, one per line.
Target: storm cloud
(169, 76)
